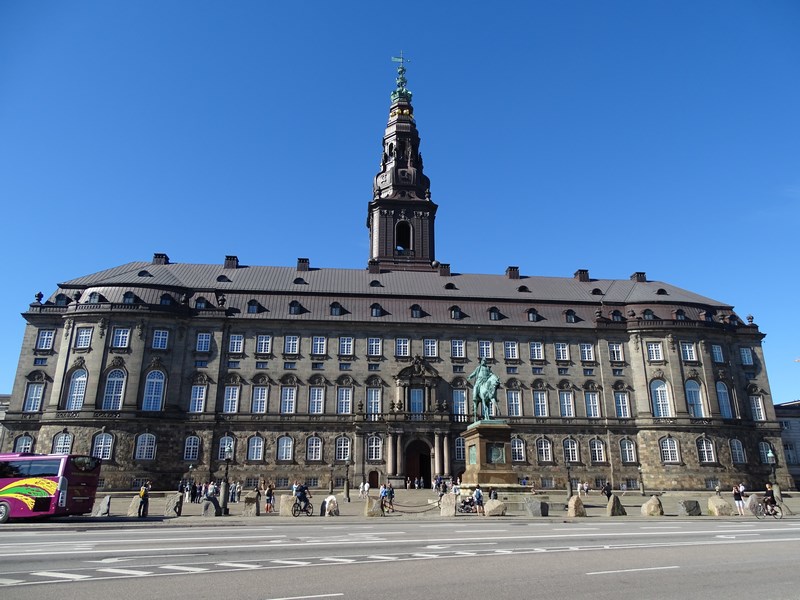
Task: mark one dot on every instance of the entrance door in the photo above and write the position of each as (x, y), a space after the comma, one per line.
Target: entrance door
(418, 461)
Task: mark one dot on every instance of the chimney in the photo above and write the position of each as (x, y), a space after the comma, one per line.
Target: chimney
(373, 266)
(302, 264)
(639, 276)
(512, 272)
(444, 269)
(582, 275)
(231, 262)
(159, 258)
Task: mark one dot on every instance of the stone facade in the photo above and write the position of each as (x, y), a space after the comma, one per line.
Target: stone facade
(337, 374)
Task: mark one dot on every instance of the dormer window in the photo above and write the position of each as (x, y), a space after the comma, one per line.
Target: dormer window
(616, 316)
(295, 308)
(252, 307)
(494, 314)
(570, 316)
(416, 311)
(523, 288)
(376, 310)
(94, 298)
(450, 286)
(128, 298)
(300, 281)
(223, 279)
(61, 300)
(144, 274)
(680, 315)
(597, 292)
(166, 300)
(661, 292)
(533, 315)
(336, 310)
(201, 303)
(375, 283)
(455, 313)
(648, 315)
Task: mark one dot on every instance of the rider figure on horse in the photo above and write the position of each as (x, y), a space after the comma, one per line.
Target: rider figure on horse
(486, 383)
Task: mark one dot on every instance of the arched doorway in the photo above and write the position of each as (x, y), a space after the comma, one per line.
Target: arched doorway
(418, 461)
(374, 479)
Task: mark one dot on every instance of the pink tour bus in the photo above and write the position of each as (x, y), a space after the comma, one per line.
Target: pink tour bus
(47, 485)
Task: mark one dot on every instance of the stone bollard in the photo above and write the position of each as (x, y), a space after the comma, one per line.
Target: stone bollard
(448, 505)
(372, 507)
(689, 508)
(653, 508)
(211, 508)
(133, 509)
(537, 508)
(494, 508)
(719, 507)
(614, 507)
(252, 505)
(575, 507)
(174, 506)
(104, 508)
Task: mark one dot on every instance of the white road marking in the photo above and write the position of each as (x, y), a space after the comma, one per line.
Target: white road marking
(10, 581)
(633, 570)
(482, 531)
(124, 571)
(333, 559)
(57, 575)
(184, 569)
(303, 597)
(290, 562)
(238, 565)
(380, 557)
(423, 555)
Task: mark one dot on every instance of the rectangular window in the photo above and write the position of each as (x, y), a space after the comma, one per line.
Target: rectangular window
(346, 346)
(83, 337)
(513, 403)
(757, 408)
(621, 405)
(460, 404)
(539, 403)
(373, 367)
(563, 371)
(747, 356)
(345, 366)
(120, 337)
(511, 350)
(160, 339)
(259, 404)
(234, 364)
(537, 351)
(373, 403)
(617, 372)
(289, 366)
(203, 342)
(197, 403)
(374, 346)
(430, 348)
(654, 351)
(512, 370)
(566, 403)
(562, 351)
(261, 364)
(288, 395)
(231, 403)
(316, 400)
(402, 347)
(417, 403)
(319, 344)
(457, 349)
(291, 344)
(201, 364)
(687, 351)
(587, 352)
(716, 353)
(615, 352)
(592, 405)
(33, 397)
(263, 344)
(344, 397)
(588, 372)
(484, 349)
(44, 341)
(236, 343)
(537, 370)
(40, 362)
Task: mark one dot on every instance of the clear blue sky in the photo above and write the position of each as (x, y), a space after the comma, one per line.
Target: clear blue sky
(617, 136)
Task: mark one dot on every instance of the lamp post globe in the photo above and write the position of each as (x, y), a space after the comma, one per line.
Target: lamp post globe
(771, 461)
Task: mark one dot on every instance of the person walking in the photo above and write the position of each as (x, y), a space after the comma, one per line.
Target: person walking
(737, 500)
(144, 499)
(607, 490)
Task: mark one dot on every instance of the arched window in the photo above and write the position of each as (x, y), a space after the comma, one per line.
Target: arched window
(191, 448)
(24, 443)
(403, 237)
(764, 448)
(200, 303)
(115, 385)
(376, 310)
(705, 451)
(416, 311)
(597, 450)
(616, 316)
(153, 391)
(570, 316)
(724, 399)
(285, 448)
(255, 448)
(659, 396)
(669, 450)
(517, 450)
(494, 314)
(694, 399)
(336, 310)
(77, 390)
(455, 313)
(738, 456)
(313, 449)
(570, 451)
(648, 315)
(94, 298)
(252, 307)
(226, 442)
(374, 448)
(680, 315)
(61, 300)
(295, 308)
(128, 298)
(145, 447)
(627, 450)
(544, 450)
(460, 453)
(533, 315)
(342, 448)
(101, 446)
(166, 300)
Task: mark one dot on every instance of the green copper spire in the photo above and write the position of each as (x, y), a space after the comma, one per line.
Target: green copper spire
(401, 93)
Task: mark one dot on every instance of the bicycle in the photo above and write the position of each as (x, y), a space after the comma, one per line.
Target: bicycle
(297, 508)
(762, 513)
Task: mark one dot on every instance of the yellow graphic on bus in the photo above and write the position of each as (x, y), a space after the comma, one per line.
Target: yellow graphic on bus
(27, 490)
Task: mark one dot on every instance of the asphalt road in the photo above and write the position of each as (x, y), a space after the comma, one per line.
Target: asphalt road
(466, 559)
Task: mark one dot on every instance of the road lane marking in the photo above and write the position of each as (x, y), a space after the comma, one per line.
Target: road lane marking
(10, 581)
(424, 555)
(633, 570)
(124, 571)
(184, 569)
(291, 562)
(304, 597)
(381, 557)
(238, 565)
(57, 575)
(333, 559)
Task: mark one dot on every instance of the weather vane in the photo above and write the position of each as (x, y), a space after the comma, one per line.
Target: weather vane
(400, 59)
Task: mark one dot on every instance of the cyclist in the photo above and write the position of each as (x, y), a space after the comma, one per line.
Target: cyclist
(301, 491)
(769, 500)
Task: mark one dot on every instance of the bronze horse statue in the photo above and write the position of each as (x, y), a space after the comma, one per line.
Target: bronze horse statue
(486, 384)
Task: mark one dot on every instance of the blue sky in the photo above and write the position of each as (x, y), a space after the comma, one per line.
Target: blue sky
(616, 136)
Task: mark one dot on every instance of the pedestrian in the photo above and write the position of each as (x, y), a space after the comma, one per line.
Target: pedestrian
(737, 500)
(416, 483)
(607, 490)
(586, 488)
(366, 490)
(269, 496)
(492, 494)
(144, 499)
(390, 496)
(408, 483)
(477, 497)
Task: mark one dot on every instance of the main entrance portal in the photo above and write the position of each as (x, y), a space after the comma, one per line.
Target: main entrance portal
(418, 461)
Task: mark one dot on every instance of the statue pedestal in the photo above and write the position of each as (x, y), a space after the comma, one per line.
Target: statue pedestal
(488, 449)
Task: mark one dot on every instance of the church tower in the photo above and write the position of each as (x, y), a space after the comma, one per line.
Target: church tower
(401, 214)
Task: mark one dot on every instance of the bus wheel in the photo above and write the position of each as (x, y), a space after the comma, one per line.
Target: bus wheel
(4, 512)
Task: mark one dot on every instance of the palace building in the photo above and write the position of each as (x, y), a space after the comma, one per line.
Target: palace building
(173, 370)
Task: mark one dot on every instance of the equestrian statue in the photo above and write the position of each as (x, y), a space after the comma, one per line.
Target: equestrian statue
(486, 384)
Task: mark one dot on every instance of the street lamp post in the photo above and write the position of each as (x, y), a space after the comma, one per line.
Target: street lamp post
(641, 481)
(569, 482)
(330, 483)
(771, 460)
(191, 479)
(225, 483)
(347, 481)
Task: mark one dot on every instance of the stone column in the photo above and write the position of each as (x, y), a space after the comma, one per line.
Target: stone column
(359, 458)
(401, 460)
(391, 467)
(437, 453)
(446, 448)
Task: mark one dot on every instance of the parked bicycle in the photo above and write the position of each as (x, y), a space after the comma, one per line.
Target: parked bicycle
(763, 512)
(297, 508)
